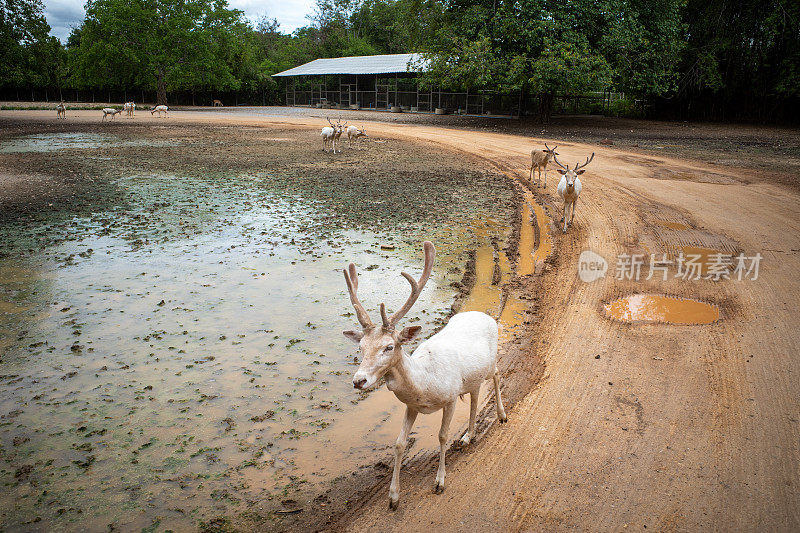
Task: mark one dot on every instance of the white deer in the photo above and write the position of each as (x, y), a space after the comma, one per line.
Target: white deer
(130, 108)
(111, 111)
(355, 133)
(455, 361)
(159, 109)
(569, 188)
(539, 161)
(61, 109)
(331, 134)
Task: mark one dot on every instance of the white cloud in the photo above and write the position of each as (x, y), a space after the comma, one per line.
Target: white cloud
(63, 15)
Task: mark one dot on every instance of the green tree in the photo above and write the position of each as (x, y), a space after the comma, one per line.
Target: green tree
(161, 44)
(549, 48)
(30, 56)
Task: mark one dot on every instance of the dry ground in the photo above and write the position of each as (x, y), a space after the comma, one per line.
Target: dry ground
(670, 428)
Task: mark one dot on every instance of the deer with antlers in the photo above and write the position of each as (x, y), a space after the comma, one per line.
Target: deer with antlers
(331, 134)
(453, 362)
(569, 188)
(539, 161)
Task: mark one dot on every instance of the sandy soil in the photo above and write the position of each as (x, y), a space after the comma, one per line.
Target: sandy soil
(631, 426)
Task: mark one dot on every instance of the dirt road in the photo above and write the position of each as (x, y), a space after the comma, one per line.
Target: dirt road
(645, 426)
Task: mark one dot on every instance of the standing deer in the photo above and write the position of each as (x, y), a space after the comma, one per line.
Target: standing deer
(217, 103)
(130, 108)
(331, 134)
(569, 188)
(159, 109)
(61, 109)
(455, 361)
(355, 133)
(539, 161)
(339, 129)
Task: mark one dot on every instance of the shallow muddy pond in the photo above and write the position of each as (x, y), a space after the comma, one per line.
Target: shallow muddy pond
(176, 354)
(662, 309)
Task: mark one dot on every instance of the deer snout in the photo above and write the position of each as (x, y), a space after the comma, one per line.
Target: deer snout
(359, 383)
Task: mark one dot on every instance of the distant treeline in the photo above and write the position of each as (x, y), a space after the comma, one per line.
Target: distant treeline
(684, 59)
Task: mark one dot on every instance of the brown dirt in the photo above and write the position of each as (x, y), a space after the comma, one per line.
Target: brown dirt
(631, 426)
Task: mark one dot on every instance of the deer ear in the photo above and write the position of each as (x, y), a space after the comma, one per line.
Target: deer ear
(561, 171)
(354, 336)
(581, 171)
(408, 334)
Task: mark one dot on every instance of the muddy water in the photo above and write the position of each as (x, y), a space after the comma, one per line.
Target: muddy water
(663, 309)
(177, 354)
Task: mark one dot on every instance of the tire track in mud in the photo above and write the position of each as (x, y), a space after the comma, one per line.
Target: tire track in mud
(648, 434)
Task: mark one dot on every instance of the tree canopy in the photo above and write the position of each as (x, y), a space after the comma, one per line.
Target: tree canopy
(707, 58)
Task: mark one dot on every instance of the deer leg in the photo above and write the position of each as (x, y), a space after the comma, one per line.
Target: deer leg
(447, 416)
(572, 215)
(501, 411)
(473, 411)
(545, 177)
(399, 449)
(531, 178)
(566, 207)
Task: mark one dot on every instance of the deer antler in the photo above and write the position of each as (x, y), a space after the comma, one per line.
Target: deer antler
(416, 287)
(329, 121)
(351, 278)
(559, 162)
(588, 160)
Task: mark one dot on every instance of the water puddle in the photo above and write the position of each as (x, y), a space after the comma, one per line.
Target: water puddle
(178, 354)
(705, 258)
(493, 268)
(662, 309)
(53, 142)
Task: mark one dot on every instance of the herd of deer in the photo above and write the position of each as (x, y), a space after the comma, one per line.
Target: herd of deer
(331, 134)
(453, 362)
(129, 108)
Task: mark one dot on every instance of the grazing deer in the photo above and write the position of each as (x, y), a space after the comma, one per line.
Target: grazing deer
(569, 188)
(217, 103)
(355, 133)
(129, 108)
(110, 111)
(331, 134)
(159, 109)
(539, 161)
(455, 361)
(61, 109)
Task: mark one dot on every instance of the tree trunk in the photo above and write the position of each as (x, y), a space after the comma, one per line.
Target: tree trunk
(161, 94)
(545, 107)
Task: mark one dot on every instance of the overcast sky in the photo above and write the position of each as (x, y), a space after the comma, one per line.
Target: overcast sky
(63, 15)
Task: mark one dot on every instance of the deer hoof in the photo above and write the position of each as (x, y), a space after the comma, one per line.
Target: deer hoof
(439, 488)
(503, 419)
(393, 504)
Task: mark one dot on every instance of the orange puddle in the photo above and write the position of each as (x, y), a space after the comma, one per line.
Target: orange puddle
(532, 257)
(545, 244)
(664, 309)
(487, 297)
(672, 225)
(700, 256)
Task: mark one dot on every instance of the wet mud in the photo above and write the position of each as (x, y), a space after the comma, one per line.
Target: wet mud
(171, 308)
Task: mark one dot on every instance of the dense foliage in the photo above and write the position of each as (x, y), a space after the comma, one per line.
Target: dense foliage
(691, 58)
